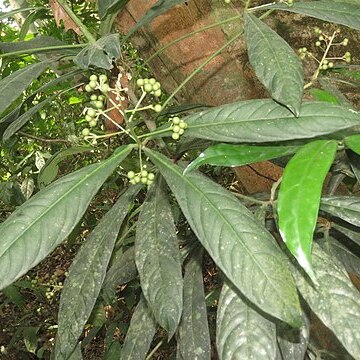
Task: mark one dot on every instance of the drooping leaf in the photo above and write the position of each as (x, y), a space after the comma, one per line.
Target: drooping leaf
(86, 276)
(266, 121)
(193, 337)
(140, 333)
(14, 295)
(13, 85)
(25, 117)
(293, 343)
(353, 143)
(61, 15)
(34, 229)
(51, 168)
(352, 235)
(299, 198)
(100, 54)
(344, 207)
(107, 7)
(157, 258)
(335, 301)
(242, 333)
(30, 19)
(159, 8)
(238, 155)
(342, 13)
(275, 63)
(235, 240)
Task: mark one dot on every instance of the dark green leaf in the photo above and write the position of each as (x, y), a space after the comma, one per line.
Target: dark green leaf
(159, 8)
(158, 261)
(140, 334)
(352, 235)
(25, 117)
(13, 85)
(336, 12)
(50, 170)
(344, 207)
(323, 95)
(30, 19)
(235, 240)
(242, 333)
(100, 54)
(193, 338)
(13, 294)
(107, 7)
(299, 198)
(353, 143)
(34, 229)
(266, 121)
(86, 276)
(275, 63)
(335, 301)
(31, 338)
(238, 155)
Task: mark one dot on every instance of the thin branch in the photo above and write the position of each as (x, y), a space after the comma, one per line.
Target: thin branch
(43, 139)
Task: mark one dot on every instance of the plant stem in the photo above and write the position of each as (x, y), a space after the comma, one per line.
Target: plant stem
(91, 39)
(43, 139)
(162, 131)
(153, 351)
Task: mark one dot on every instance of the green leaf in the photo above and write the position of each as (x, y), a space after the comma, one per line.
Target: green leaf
(158, 261)
(9, 14)
(193, 336)
(13, 294)
(245, 247)
(299, 198)
(352, 235)
(35, 228)
(107, 7)
(335, 301)
(13, 85)
(353, 143)
(31, 338)
(275, 63)
(140, 333)
(344, 207)
(159, 8)
(100, 54)
(242, 333)
(25, 117)
(30, 19)
(323, 95)
(51, 168)
(266, 121)
(239, 155)
(339, 13)
(86, 276)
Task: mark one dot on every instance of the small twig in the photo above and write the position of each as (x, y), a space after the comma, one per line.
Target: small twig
(43, 139)
(154, 349)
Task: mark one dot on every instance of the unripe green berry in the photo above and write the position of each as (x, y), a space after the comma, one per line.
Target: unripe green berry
(348, 54)
(321, 38)
(85, 132)
(152, 81)
(137, 179)
(157, 108)
(176, 128)
(144, 180)
(325, 67)
(183, 124)
(227, 1)
(99, 104)
(144, 173)
(140, 82)
(175, 136)
(325, 62)
(88, 88)
(101, 97)
(131, 174)
(93, 123)
(132, 181)
(91, 112)
(151, 176)
(348, 59)
(88, 118)
(93, 77)
(149, 182)
(155, 87)
(331, 65)
(318, 43)
(176, 120)
(181, 131)
(93, 97)
(103, 78)
(146, 81)
(92, 84)
(158, 84)
(157, 93)
(148, 87)
(345, 42)
(104, 88)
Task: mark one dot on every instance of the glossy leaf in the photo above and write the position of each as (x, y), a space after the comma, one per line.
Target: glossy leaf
(86, 276)
(335, 301)
(242, 333)
(353, 143)
(275, 63)
(344, 207)
(100, 54)
(51, 168)
(159, 8)
(352, 235)
(326, 96)
(239, 155)
(140, 333)
(336, 12)
(26, 235)
(107, 7)
(13, 85)
(299, 198)
(157, 258)
(193, 337)
(235, 240)
(266, 121)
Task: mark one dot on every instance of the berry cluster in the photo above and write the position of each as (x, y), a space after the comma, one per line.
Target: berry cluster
(143, 177)
(100, 83)
(150, 86)
(52, 286)
(178, 127)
